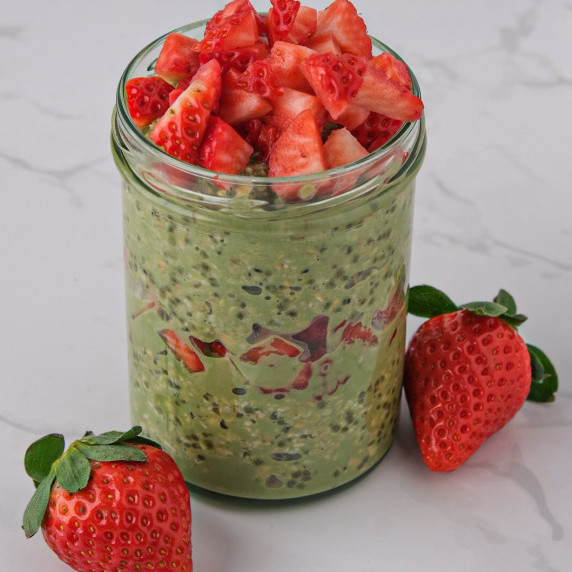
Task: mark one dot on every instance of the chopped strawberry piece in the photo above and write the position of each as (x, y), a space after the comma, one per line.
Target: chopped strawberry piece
(181, 86)
(235, 26)
(380, 94)
(147, 98)
(376, 130)
(356, 331)
(182, 351)
(289, 105)
(285, 60)
(223, 150)
(394, 69)
(238, 105)
(341, 20)
(277, 346)
(262, 136)
(181, 128)
(239, 58)
(324, 43)
(260, 78)
(353, 116)
(178, 58)
(302, 30)
(335, 79)
(299, 149)
(214, 349)
(280, 18)
(341, 148)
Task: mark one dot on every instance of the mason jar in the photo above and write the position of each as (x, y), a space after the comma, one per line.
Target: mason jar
(266, 336)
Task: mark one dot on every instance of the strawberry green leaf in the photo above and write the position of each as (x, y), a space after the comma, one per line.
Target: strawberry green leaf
(492, 309)
(34, 512)
(113, 452)
(41, 454)
(428, 302)
(506, 299)
(111, 437)
(144, 441)
(544, 377)
(72, 470)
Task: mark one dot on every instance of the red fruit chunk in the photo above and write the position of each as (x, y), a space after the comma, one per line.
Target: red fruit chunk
(342, 148)
(302, 30)
(324, 43)
(382, 95)
(276, 346)
(376, 130)
(394, 69)
(237, 105)
(335, 79)
(223, 150)
(466, 376)
(178, 58)
(147, 99)
(341, 20)
(288, 106)
(299, 149)
(356, 331)
(262, 136)
(235, 26)
(280, 18)
(285, 59)
(352, 117)
(259, 78)
(130, 515)
(182, 351)
(180, 130)
(239, 58)
(210, 349)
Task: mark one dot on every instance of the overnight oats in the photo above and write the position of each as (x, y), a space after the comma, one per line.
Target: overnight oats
(267, 243)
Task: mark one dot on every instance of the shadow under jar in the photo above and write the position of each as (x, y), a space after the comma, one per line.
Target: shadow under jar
(266, 337)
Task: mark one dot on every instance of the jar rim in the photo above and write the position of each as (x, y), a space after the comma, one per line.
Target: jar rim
(410, 132)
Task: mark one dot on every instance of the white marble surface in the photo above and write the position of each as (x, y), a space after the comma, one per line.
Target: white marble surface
(493, 209)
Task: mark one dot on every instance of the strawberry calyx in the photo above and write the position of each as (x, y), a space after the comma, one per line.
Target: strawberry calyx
(46, 461)
(428, 302)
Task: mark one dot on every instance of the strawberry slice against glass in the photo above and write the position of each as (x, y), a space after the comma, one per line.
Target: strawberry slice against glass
(376, 130)
(182, 351)
(299, 149)
(239, 58)
(394, 69)
(178, 58)
(341, 20)
(147, 98)
(341, 148)
(223, 150)
(180, 130)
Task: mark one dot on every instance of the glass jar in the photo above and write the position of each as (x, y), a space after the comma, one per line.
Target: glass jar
(266, 337)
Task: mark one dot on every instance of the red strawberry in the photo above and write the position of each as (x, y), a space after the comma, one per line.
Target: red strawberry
(324, 43)
(280, 18)
(147, 98)
(376, 130)
(239, 58)
(262, 136)
(341, 148)
(352, 117)
(285, 59)
(394, 69)
(289, 105)
(182, 351)
(467, 374)
(235, 26)
(238, 105)
(260, 78)
(180, 130)
(298, 151)
(223, 150)
(341, 20)
(113, 501)
(335, 79)
(178, 58)
(380, 94)
(214, 349)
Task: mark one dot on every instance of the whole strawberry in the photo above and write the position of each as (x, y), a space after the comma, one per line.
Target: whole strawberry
(467, 373)
(111, 502)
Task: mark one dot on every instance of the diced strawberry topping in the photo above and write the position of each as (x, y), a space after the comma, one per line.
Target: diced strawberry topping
(147, 98)
(335, 79)
(280, 18)
(223, 150)
(394, 69)
(291, 103)
(259, 78)
(235, 26)
(376, 130)
(178, 58)
(181, 128)
(341, 148)
(285, 60)
(380, 94)
(299, 149)
(239, 58)
(341, 20)
(262, 136)
(302, 29)
(324, 43)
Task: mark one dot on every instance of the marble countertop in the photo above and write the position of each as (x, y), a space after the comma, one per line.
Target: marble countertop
(493, 210)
